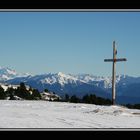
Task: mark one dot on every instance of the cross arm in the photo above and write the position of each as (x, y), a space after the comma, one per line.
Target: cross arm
(115, 60)
(108, 60)
(121, 59)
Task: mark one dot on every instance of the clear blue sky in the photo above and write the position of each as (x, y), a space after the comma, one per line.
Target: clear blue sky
(70, 42)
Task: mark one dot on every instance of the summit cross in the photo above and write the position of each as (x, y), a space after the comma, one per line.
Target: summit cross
(114, 60)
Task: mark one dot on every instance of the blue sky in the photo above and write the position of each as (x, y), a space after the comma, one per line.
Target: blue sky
(70, 42)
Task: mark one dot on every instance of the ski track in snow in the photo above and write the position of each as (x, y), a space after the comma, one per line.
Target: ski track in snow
(44, 114)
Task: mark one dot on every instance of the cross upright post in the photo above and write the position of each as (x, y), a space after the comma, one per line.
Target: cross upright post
(114, 74)
(114, 60)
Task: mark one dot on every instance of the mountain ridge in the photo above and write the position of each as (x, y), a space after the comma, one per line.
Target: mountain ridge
(79, 84)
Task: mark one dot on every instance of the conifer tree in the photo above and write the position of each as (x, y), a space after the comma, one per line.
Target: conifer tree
(35, 94)
(46, 90)
(67, 98)
(74, 99)
(10, 92)
(23, 92)
(2, 93)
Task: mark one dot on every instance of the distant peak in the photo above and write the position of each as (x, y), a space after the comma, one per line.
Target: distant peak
(61, 74)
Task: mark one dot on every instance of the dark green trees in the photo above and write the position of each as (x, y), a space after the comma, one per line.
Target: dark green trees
(46, 90)
(22, 92)
(2, 94)
(92, 99)
(67, 98)
(89, 99)
(10, 92)
(28, 94)
(35, 94)
(74, 99)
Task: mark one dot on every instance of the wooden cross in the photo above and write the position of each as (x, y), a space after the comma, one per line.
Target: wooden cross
(114, 60)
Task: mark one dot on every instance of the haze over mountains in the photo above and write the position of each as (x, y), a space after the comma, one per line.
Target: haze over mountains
(128, 87)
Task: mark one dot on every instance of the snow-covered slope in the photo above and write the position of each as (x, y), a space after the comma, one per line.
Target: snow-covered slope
(44, 114)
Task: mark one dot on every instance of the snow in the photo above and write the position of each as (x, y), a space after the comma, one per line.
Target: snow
(49, 96)
(11, 72)
(60, 78)
(44, 114)
(5, 87)
(7, 74)
(65, 78)
(49, 80)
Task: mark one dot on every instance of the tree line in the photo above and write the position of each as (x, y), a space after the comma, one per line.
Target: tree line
(88, 98)
(33, 94)
(21, 92)
(133, 106)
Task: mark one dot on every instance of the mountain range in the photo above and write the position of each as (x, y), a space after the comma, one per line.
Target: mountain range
(127, 87)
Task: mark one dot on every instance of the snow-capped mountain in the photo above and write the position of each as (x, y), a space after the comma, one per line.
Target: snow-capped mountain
(60, 83)
(104, 82)
(99, 81)
(7, 74)
(82, 84)
(127, 86)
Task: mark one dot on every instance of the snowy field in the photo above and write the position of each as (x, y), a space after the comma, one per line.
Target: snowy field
(44, 114)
